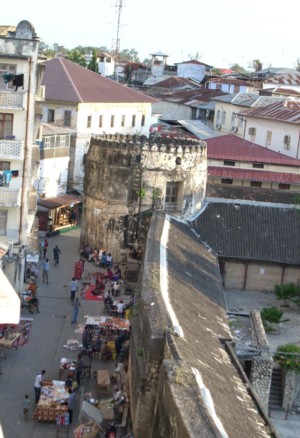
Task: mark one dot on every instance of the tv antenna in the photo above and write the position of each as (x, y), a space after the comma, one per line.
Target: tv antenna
(116, 42)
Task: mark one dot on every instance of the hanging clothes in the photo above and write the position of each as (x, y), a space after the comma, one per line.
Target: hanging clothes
(18, 81)
(7, 176)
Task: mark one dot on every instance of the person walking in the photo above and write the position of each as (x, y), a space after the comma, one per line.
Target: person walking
(73, 285)
(46, 271)
(76, 306)
(56, 254)
(45, 247)
(38, 385)
(26, 405)
(71, 402)
(79, 368)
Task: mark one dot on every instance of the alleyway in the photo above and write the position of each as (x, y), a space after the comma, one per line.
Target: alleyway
(50, 330)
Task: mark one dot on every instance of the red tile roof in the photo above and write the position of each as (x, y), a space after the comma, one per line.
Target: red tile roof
(69, 82)
(232, 147)
(253, 175)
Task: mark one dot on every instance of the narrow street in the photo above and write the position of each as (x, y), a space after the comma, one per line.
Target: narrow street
(51, 329)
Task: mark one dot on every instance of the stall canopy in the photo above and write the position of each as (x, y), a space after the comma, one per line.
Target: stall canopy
(58, 201)
(9, 302)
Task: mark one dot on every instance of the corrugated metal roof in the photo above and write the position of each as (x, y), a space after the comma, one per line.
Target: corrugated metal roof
(225, 98)
(49, 129)
(253, 175)
(232, 147)
(224, 80)
(245, 99)
(69, 82)
(286, 79)
(285, 111)
(199, 129)
(58, 201)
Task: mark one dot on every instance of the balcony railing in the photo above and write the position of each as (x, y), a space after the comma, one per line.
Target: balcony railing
(172, 207)
(11, 100)
(10, 197)
(11, 150)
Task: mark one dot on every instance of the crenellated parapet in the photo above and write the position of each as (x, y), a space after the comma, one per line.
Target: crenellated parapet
(156, 144)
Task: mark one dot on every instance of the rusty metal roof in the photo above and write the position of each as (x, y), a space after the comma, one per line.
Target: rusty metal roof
(232, 147)
(58, 201)
(286, 79)
(253, 175)
(285, 111)
(69, 82)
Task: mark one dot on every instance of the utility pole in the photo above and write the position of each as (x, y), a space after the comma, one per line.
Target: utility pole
(116, 43)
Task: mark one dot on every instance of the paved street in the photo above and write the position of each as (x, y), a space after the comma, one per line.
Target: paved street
(50, 330)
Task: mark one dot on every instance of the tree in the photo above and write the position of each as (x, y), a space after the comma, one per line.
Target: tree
(297, 65)
(77, 57)
(255, 65)
(288, 357)
(93, 64)
(129, 55)
(238, 68)
(195, 57)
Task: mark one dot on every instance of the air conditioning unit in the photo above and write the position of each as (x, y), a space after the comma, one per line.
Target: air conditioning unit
(252, 131)
(287, 140)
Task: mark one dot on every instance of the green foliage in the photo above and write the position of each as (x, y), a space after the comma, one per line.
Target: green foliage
(297, 65)
(93, 64)
(141, 193)
(288, 361)
(77, 57)
(272, 314)
(238, 68)
(288, 291)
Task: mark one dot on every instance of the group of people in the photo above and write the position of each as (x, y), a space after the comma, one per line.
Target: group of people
(98, 256)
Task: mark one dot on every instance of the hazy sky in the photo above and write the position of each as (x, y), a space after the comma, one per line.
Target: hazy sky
(221, 32)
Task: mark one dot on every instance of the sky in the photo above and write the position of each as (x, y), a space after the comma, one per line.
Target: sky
(219, 33)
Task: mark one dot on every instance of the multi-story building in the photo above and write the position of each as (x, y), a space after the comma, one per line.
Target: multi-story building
(20, 77)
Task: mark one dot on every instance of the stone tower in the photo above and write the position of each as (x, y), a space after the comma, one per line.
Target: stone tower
(127, 177)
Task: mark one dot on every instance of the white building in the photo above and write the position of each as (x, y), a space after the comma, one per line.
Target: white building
(19, 89)
(89, 103)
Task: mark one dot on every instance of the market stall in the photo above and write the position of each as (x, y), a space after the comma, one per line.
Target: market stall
(53, 402)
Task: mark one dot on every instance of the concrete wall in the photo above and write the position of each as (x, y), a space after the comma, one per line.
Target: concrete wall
(257, 276)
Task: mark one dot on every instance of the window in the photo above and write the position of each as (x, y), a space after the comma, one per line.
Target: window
(258, 165)
(4, 165)
(223, 117)
(112, 121)
(122, 121)
(268, 138)
(255, 183)
(171, 197)
(133, 195)
(50, 118)
(229, 163)
(252, 132)
(226, 181)
(284, 186)
(5, 71)
(143, 120)
(67, 118)
(62, 140)
(3, 222)
(287, 142)
(89, 122)
(6, 125)
(47, 142)
(101, 121)
(133, 121)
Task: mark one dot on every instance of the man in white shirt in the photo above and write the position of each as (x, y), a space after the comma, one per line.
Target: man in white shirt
(38, 385)
(73, 285)
(120, 309)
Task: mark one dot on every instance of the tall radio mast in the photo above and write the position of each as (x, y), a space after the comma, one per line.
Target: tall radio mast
(116, 42)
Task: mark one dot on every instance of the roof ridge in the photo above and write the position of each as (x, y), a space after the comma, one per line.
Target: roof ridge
(69, 76)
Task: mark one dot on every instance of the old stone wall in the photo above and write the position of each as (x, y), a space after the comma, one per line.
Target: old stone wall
(126, 179)
(289, 389)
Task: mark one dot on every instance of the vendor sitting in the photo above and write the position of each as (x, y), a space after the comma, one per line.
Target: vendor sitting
(70, 383)
(32, 288)
(105, 351)
(109, 274)
(33, 304)
(99, 288)
(117, 273)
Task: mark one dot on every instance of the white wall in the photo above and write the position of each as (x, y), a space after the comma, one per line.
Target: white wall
(53, 176)
(196, 71)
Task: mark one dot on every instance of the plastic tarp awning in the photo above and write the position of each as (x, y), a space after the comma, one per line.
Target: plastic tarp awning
(9, 302)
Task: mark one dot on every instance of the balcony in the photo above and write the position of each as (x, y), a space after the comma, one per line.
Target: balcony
(11, 100)
(11, 150)
(10, 197)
